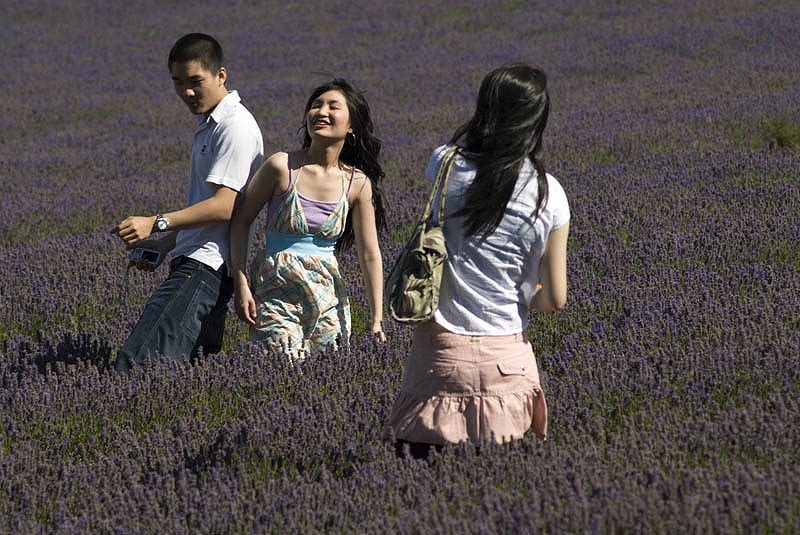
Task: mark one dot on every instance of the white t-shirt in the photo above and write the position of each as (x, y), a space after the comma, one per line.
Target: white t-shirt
(487, 284)
(227, 150)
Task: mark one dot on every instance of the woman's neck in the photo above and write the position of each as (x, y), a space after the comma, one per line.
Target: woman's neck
(324, 155)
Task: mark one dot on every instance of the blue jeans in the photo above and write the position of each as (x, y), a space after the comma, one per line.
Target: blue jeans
(186, 312)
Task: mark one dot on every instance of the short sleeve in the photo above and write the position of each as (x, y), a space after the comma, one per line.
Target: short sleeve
(433, 162)
(236, 150)
(557, 203)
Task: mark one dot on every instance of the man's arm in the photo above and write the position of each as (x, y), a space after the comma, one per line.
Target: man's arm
(236, 149)
(213, 210)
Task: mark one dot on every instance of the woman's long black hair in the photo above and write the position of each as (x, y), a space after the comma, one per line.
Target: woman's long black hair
(507, 128)
(362, 154)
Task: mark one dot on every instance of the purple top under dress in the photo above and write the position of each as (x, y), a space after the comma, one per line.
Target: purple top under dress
(316, 212)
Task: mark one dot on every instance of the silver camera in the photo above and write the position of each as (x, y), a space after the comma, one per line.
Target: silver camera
(150, 256)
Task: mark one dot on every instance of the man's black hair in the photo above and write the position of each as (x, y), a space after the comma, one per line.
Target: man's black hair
(199, 47)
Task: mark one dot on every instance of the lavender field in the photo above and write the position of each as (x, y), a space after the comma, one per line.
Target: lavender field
(672, 374)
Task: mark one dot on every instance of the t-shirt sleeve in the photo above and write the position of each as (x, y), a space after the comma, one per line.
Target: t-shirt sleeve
(433, 163)
(557, 203)
(235, 151)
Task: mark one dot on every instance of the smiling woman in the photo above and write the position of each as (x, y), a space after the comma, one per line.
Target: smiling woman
(328, 115)
(319, 200)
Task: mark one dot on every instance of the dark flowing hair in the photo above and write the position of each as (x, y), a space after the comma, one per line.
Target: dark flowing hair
(361, 153)
(506, 129)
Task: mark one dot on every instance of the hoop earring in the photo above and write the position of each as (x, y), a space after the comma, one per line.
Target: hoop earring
(350, 136)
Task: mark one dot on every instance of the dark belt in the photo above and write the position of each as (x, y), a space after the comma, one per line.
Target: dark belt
(221, 273)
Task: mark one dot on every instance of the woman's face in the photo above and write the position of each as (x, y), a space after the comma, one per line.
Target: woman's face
(329, 116)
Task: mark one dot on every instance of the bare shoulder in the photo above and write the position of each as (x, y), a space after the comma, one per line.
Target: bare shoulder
(361, 189)
(277, 161)
(275, 172)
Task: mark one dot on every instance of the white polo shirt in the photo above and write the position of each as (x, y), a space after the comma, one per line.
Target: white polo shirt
(227, 150)
(487, 284)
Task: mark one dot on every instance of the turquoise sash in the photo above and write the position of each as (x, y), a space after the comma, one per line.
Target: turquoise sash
(305, 244)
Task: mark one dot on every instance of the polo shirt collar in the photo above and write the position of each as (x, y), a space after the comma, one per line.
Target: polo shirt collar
(225, 107)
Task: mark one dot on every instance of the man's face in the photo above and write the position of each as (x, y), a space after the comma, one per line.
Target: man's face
(200, 89)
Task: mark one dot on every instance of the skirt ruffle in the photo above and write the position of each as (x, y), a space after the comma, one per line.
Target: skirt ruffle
(477, 418)
(475, 388)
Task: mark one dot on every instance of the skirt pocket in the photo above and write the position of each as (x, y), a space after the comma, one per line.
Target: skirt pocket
(428, 378)
(516, 366)
(517, 374)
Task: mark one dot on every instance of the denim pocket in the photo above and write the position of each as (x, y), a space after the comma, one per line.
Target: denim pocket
(200, 305)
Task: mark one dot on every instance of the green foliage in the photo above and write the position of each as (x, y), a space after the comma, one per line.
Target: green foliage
(359, 319)
(33, 324)
(510, 5)
(45, 227)
(774, 132)
(616, 410)
(80, 433)
(456, 11)
(780, 250)
(219, 406)
(169, 155)
(624, 236)
(604, 156)
(760, 179)
(237, 332)
(780, 133)
(400, 234)
(549, 330)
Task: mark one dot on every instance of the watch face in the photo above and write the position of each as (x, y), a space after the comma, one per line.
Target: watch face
(162, 224)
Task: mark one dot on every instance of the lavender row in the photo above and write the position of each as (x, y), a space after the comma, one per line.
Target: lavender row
(245, 440)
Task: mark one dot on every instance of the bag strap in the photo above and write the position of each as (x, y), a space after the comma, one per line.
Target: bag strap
(440, 184)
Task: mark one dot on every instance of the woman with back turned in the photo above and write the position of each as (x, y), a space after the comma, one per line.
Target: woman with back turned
(471, 374)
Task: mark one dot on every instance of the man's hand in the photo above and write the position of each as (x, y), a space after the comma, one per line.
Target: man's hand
(134, 229)
(162, 246)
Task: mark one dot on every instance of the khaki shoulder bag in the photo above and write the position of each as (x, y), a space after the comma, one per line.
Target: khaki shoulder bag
(412, 288)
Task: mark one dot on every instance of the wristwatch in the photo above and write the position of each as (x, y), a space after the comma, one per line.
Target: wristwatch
(162, 223)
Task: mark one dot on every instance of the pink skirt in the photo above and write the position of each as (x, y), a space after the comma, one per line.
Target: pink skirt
(476, 388)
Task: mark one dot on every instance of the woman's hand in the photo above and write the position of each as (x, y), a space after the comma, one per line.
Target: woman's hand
(244, 304)
(377, 331)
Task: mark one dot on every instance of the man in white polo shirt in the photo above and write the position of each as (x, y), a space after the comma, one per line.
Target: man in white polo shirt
(187, 311)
